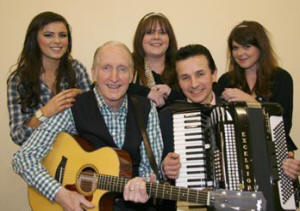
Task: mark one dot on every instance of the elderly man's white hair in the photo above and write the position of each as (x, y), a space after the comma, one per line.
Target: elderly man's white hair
(112, 43)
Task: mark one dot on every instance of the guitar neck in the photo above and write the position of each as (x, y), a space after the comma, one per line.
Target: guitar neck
(156, 190)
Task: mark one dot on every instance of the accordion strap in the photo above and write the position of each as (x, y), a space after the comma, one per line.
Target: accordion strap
(144, 134)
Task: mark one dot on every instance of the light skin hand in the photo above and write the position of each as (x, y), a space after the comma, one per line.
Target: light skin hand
(152, 178)
(291, 166)
(135, 190)
(71, 200)
(171, 165)
(156, 97)
(60, 102)
(234, 95)
(57, 104)
(163, 89)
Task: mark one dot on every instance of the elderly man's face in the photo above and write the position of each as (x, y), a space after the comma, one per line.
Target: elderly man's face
(113, 73)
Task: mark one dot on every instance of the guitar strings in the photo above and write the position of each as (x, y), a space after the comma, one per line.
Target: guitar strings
(116, 183)
(165, 191)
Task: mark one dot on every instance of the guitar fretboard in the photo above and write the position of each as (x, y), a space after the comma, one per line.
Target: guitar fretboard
(156, 190)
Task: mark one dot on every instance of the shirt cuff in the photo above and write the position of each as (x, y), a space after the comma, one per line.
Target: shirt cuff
(53, 191)
(164, 177)
(54, 194)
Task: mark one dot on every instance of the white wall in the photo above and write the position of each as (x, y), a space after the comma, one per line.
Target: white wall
(94, 22)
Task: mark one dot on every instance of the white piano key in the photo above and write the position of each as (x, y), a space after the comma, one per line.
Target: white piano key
(186, 169)
(188, 138)
(192, 162)
(183, 184)
(190, 176)
(189, 142)
(186, 120)
(197, 125)
(183, 150)
(192, 156)
(187, 115)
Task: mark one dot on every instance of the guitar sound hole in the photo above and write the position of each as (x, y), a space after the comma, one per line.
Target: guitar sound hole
(88, 180)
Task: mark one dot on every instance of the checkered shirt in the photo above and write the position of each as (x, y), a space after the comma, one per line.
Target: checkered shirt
(19, 132)
(27, 161)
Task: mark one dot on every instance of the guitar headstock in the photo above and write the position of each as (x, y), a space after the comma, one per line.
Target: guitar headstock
(228, 200)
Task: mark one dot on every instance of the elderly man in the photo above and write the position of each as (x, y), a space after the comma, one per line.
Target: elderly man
(105, 117)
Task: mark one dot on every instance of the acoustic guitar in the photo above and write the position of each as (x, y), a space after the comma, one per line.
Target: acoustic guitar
(100, 174)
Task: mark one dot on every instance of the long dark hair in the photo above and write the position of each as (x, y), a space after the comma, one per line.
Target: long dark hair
(253, 33)
(147, 22)
(29, 65)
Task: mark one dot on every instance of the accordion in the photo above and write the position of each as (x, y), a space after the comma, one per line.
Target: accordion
(235, 146)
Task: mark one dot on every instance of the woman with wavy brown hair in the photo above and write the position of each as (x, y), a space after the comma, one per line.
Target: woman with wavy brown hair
(254, 76)
(46, 79)
(154, 49)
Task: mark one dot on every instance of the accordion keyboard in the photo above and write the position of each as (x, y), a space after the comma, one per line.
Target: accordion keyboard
(189, 143)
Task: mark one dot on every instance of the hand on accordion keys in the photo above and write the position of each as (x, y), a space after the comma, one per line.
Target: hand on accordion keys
(171, 165)
(291, 166)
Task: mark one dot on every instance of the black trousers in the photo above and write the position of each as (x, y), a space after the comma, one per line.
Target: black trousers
(121, 205)
(160, 205)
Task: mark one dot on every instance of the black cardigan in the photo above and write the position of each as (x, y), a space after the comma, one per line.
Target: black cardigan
(282, 93)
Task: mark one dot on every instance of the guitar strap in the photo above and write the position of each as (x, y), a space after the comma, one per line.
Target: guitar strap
(142, 128)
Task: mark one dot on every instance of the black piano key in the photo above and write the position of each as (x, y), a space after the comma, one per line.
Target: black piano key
(193, 134)
(197, 158)
(194, 147)
(193, 153)
(194, 166)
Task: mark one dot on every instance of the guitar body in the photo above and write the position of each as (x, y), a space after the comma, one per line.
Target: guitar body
(76, 157)
(78, 167)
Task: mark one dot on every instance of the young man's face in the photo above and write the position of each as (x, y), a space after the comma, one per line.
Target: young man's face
(195, 79)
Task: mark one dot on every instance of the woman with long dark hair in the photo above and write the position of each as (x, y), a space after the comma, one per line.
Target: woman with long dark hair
(254, 76)
(46, 79)
(154, 49)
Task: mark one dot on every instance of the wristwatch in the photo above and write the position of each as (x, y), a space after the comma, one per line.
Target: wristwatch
(40, 116)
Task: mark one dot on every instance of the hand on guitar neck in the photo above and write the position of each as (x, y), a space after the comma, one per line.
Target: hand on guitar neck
(135, 190)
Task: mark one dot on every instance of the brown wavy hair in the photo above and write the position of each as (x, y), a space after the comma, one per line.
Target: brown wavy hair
(29, 64)
(253, 33)
(147, 22)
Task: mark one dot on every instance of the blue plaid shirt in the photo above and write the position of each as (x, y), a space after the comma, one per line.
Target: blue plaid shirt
(27, 161)
(19, 132)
